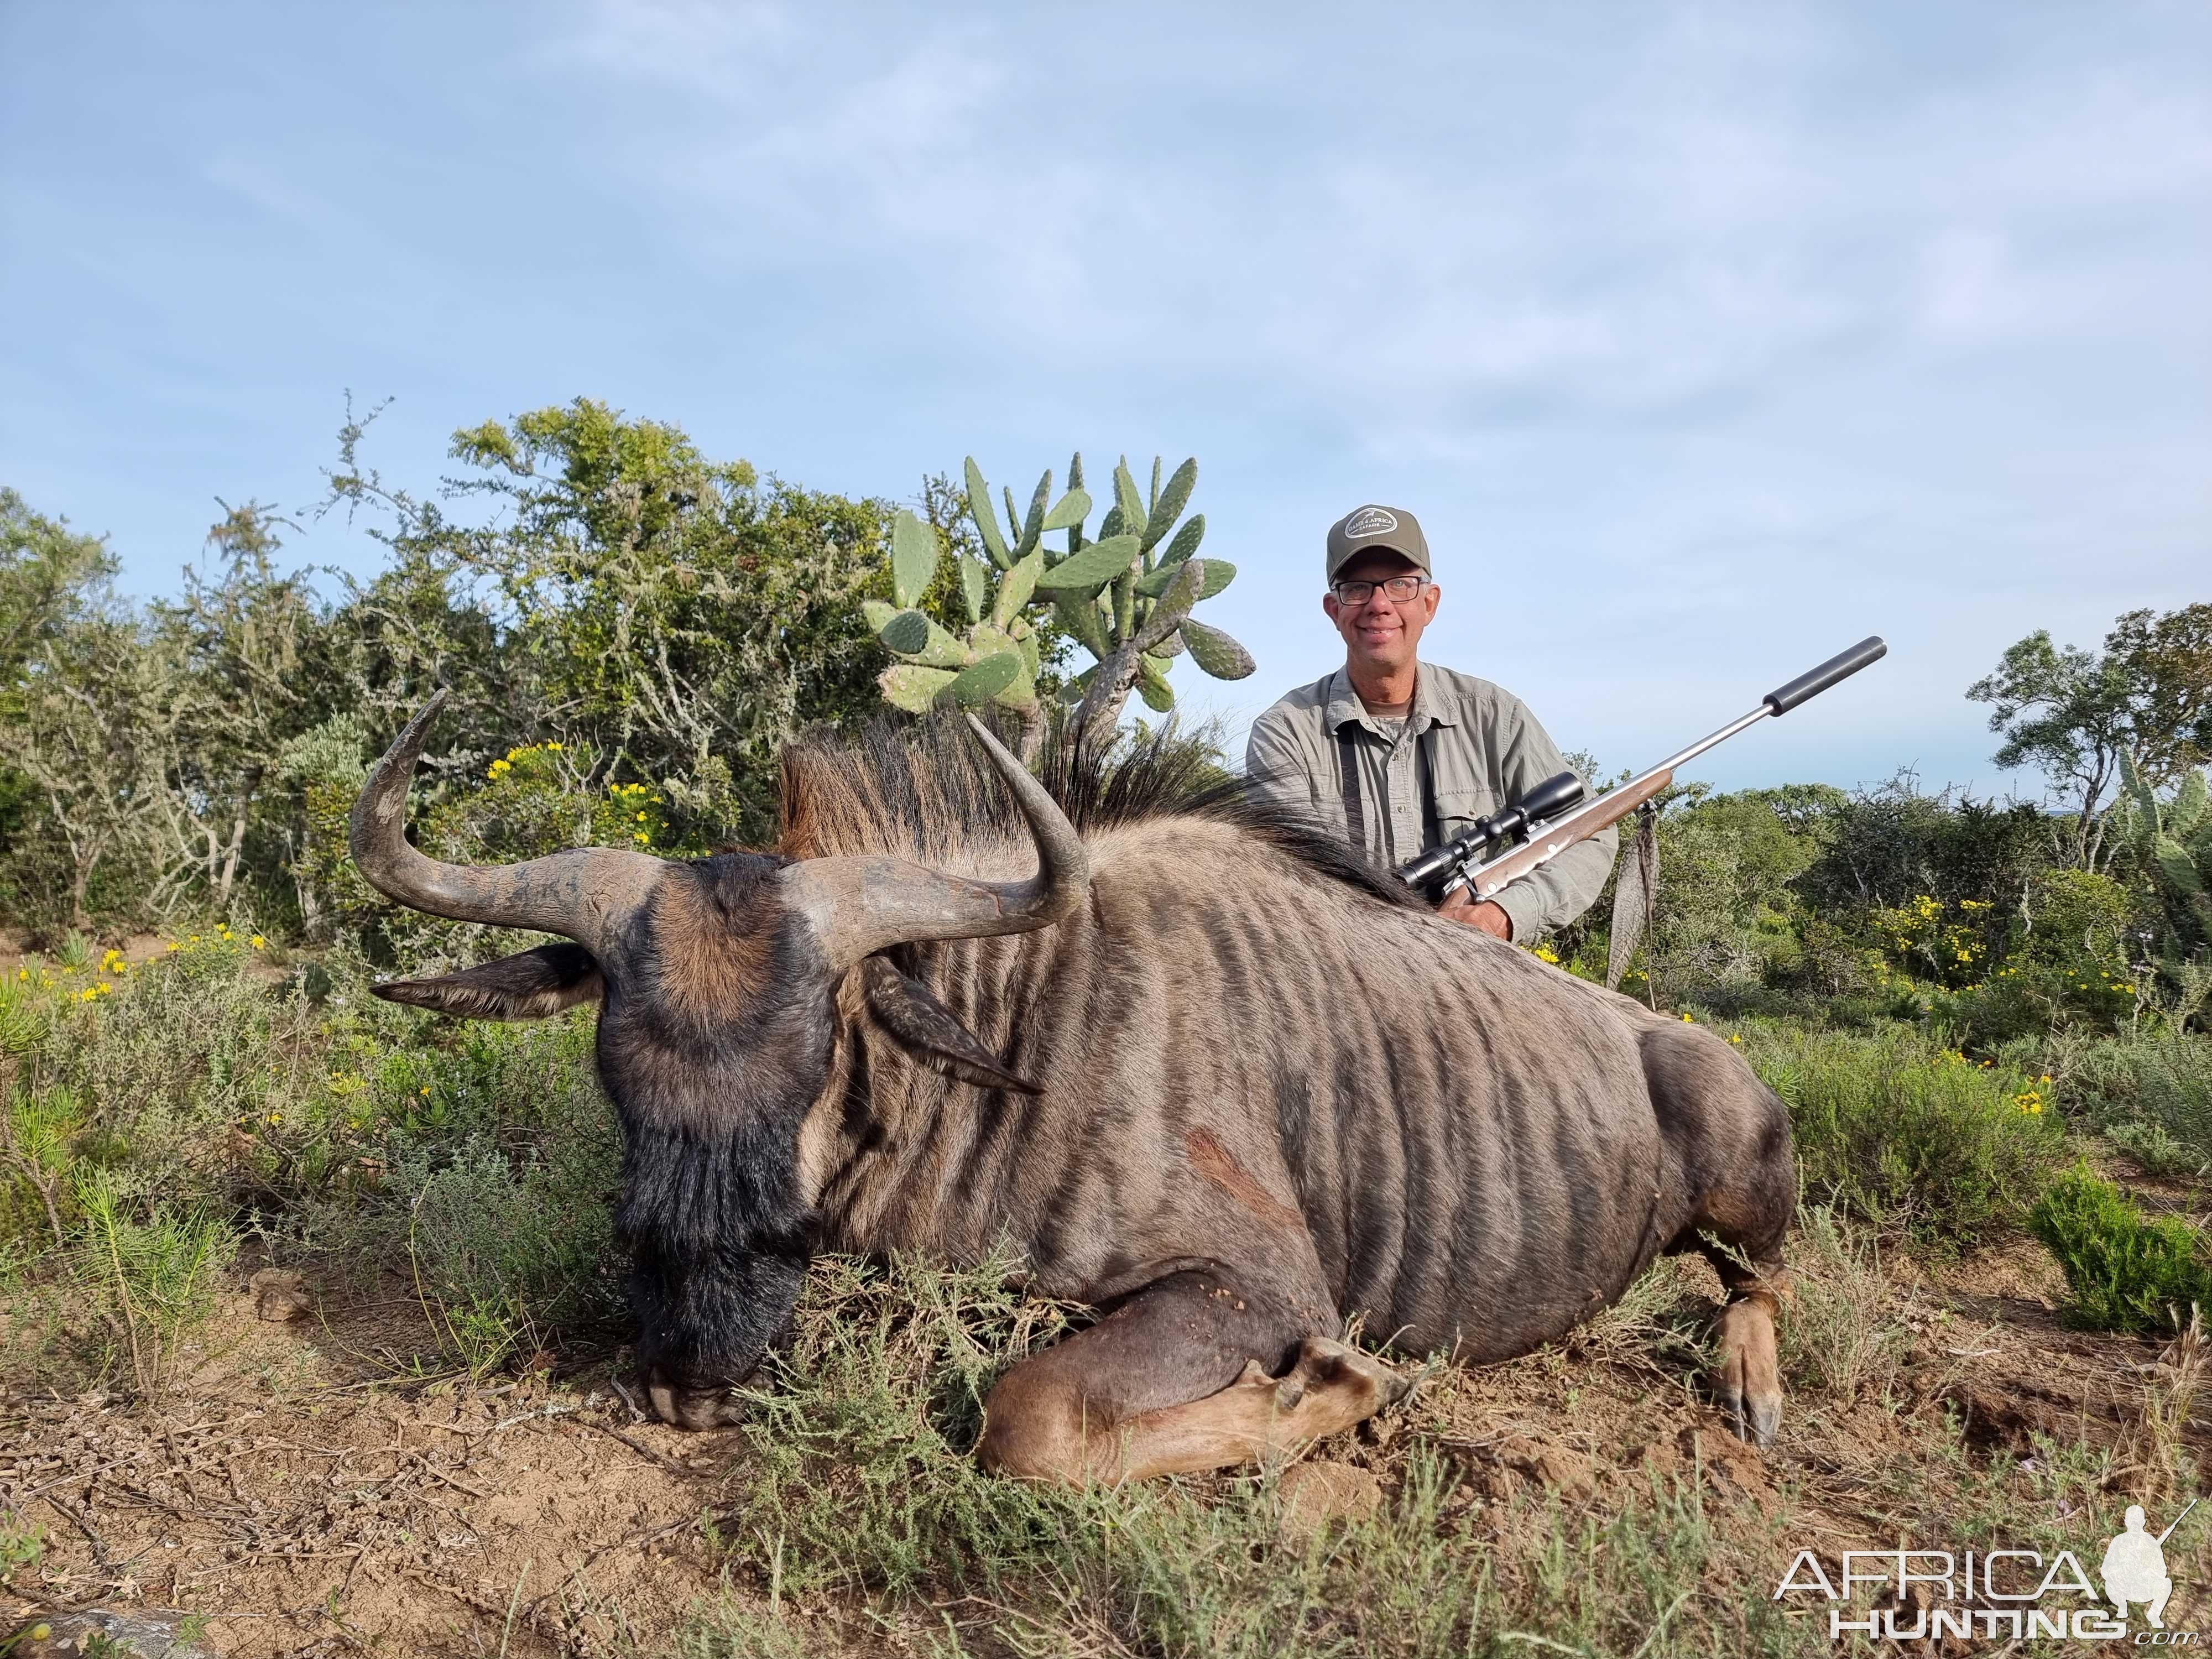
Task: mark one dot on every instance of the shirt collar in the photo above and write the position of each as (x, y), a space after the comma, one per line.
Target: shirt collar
(1344, 708)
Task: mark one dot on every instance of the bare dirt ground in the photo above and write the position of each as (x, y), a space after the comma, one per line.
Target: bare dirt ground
(306, 1500)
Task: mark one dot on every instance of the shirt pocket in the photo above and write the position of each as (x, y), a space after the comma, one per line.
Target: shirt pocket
(1458, 808)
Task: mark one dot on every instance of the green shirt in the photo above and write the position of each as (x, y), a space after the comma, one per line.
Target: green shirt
(1489, 750)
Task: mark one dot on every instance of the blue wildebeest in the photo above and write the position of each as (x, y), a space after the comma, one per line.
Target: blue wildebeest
(1208, 1073)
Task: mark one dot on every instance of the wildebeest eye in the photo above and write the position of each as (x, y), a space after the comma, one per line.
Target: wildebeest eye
(531, 985)
(905, 1011)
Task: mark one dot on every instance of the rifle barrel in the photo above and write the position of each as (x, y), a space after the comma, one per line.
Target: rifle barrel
(1554, 838)
(2178, 1520)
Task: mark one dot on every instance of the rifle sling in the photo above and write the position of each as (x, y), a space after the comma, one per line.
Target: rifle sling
(1355, 817)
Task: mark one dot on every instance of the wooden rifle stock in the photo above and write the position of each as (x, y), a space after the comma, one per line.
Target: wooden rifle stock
(1574, 828)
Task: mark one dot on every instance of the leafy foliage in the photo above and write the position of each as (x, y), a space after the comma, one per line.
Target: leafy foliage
(2126, 1272)
(590, 581)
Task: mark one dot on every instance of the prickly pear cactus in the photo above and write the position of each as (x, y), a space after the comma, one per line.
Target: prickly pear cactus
(2173, 837)
(1125, 595)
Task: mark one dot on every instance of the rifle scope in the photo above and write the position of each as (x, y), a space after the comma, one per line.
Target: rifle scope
(1552, 796)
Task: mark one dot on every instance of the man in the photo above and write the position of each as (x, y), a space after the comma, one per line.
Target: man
(1402, 755)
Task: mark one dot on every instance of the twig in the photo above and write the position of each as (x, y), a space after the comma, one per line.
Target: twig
(507, 1633)
(99, 1552)
(454, 1481)
(637, 1446)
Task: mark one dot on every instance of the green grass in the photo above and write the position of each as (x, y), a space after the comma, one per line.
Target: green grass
(155, 1275)
(2126, 1272)
(863, 1509)
(149, 1128)
(1836, 1341)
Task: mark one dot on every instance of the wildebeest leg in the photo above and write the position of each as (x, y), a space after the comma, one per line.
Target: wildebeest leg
(1741, 1233)
(1749, 1377)
(1189, 1373)
(1730, 1136)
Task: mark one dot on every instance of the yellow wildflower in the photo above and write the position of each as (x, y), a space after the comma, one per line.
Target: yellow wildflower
(257, 942)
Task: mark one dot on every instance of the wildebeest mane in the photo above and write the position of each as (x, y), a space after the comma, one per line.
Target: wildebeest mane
(921, 790)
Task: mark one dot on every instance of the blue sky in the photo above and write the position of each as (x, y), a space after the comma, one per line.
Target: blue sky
(1705, 339)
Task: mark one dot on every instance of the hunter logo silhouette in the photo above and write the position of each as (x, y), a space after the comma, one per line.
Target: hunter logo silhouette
(2134, 1568)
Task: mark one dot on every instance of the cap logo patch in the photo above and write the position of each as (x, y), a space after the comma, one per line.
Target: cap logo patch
(1370, 521)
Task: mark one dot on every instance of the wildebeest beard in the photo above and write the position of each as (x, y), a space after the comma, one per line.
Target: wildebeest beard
(711, 1094)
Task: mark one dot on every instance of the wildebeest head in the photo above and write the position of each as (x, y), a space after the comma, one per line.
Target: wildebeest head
(712, 940)
(717, 979)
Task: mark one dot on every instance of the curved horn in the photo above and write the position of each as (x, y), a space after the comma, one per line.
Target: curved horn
(864, 904)
(582, 894)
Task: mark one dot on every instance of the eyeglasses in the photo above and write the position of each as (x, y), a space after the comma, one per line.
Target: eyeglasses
(1399, 588)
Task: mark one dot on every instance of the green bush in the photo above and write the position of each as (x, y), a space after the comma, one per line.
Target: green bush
(154, 1278)
(1896, 1130)
(2150, 1145)
(2126, 1272)
(2163, 1081)
(510, 1255)
(158, 1112)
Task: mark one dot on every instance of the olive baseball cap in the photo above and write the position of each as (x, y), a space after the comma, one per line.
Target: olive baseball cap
(1365, 530)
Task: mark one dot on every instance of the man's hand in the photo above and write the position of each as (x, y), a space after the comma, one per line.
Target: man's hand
(1461, 905)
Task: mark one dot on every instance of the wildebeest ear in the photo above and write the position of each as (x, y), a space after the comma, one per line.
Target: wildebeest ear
(926, 1029)
(528, 986)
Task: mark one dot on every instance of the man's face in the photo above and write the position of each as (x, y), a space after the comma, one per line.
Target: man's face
(1382, 633)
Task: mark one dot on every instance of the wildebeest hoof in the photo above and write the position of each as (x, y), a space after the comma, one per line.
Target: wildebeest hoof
(1343, 1372)
(687, 1406)
(1755, 1418)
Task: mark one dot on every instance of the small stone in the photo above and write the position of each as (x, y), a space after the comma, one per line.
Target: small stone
(125, 1635)
(280, 1294)
(1316, 1494)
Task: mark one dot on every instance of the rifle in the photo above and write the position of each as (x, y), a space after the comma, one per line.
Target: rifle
(1551, 822)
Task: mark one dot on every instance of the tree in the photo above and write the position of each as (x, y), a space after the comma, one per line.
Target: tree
(2168, 662)
(86, 732)
(245, 648)
(681, 615)
(45, 568)
(2071, 714)
(46, 571)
